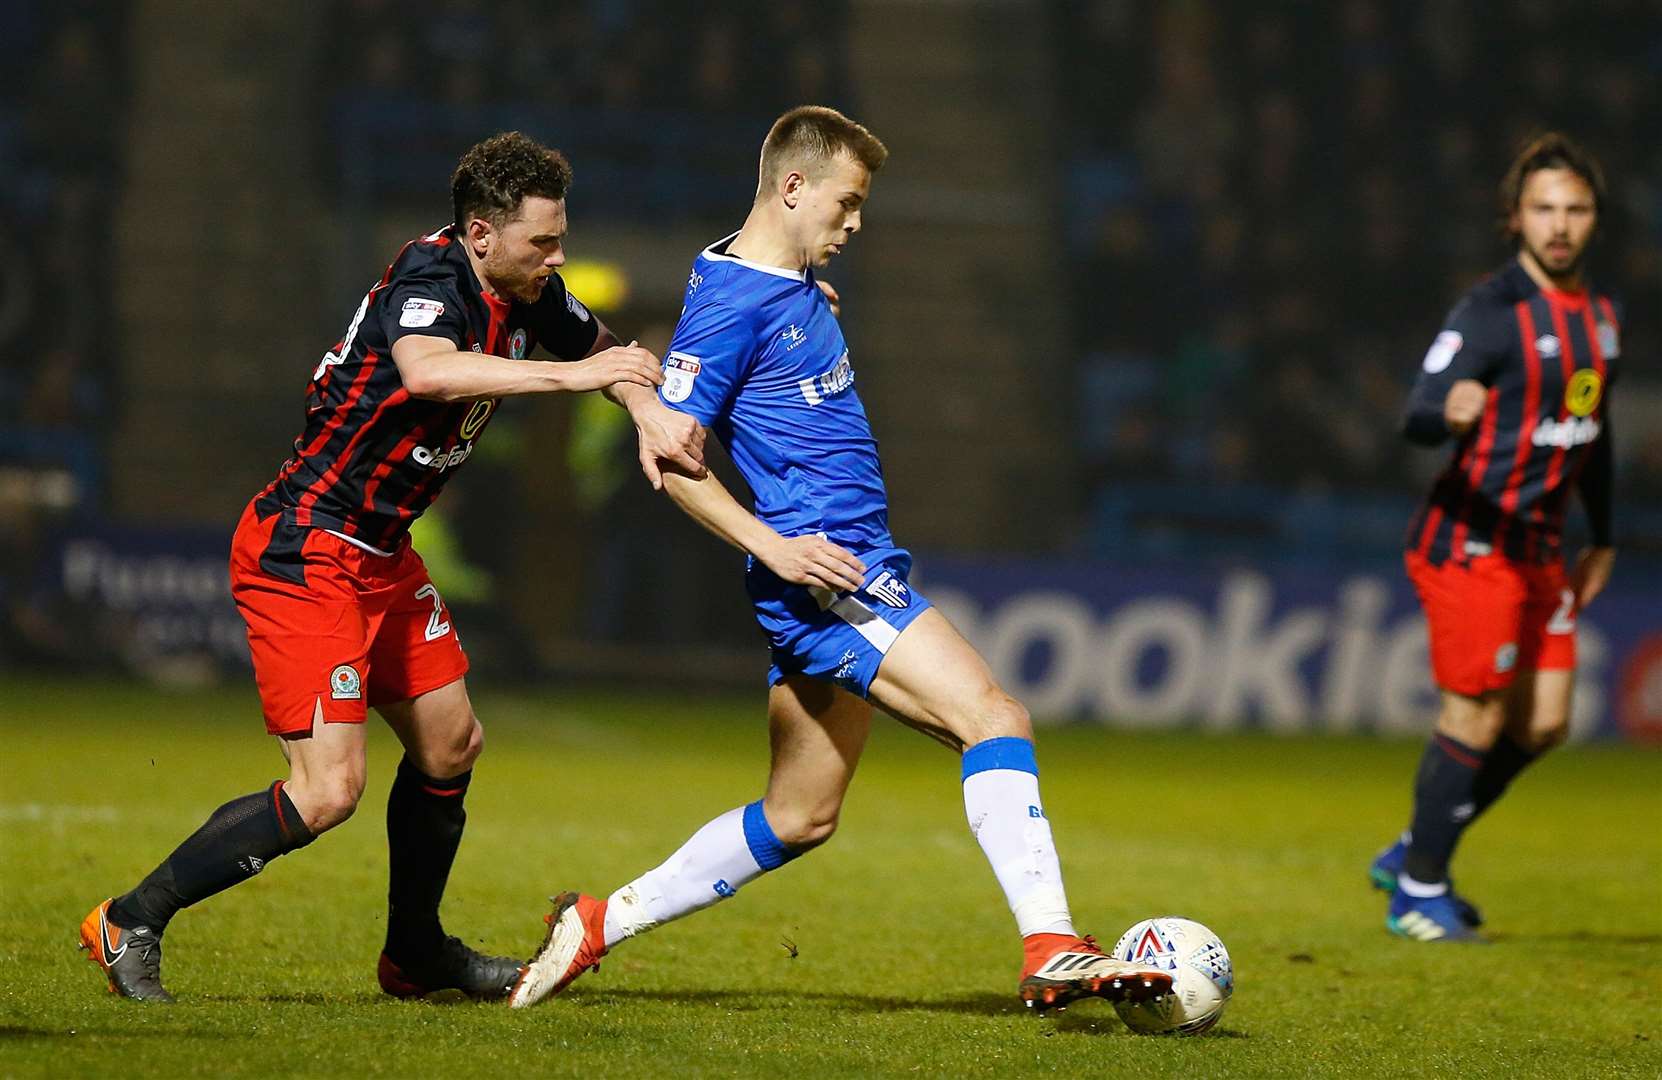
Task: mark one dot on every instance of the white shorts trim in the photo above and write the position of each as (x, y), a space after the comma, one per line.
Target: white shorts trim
(355, 542)
(870, 625)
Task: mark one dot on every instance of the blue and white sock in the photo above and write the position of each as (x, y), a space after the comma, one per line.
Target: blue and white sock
(1001, 799)
(727, 853)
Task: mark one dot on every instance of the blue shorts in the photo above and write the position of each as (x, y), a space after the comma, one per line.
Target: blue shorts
(838, 637)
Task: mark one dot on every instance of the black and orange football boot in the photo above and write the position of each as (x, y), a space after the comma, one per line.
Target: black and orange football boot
(131, 959)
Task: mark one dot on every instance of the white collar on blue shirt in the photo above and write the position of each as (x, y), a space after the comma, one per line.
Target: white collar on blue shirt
(777, 271)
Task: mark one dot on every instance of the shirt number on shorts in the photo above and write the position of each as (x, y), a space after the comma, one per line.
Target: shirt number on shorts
(436, 626)
(1563, 620)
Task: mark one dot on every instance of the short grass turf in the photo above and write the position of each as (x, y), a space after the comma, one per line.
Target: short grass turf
(888, 952)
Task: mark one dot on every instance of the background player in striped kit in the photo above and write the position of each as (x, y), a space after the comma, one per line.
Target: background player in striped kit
(340, 611)
(1520, 378)
(760, 358)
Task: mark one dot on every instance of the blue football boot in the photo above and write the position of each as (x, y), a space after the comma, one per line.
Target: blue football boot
(1388, 864)
(1428, 918)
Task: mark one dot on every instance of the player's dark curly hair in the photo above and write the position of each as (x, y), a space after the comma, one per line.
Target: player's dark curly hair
(1552, 150)
(495, 176)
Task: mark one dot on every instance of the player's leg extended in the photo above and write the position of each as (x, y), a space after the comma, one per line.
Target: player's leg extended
(425, 808)
(934, 680)
(326, 771)
(817, 732)
(1423, 904)
(1538, 703)
(1537, 718)
(1476, 612)
(425, 816)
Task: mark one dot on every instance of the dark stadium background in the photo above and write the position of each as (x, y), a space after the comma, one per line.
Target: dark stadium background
(1139, 296)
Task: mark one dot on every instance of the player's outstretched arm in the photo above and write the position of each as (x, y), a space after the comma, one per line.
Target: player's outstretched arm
(802, 560)
(433, 368)
(1452, 386)
(663, 435)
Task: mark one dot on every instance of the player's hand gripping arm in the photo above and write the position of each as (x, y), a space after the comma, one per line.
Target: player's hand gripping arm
(662, 434)
(1595, 563)
(801, 560)
(433, 368)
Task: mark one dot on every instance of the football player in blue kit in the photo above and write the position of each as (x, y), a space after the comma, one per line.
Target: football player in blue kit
(759, 358)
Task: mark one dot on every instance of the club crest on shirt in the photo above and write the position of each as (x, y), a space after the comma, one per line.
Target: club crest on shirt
(418, 312)
(1582, 394)
(679, 372)
(1441, 353)
(476, 417)
(516, 345)
(890, 590)
(1547, 345)
(345, 683)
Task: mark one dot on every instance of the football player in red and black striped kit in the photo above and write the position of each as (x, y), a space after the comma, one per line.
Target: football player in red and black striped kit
(1520, 379)
(341, 614)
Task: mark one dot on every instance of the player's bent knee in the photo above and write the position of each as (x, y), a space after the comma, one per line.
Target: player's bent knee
(329, 803)
(1544, 736)
(454, 755)
(801, 831)
(472, 747)
(1008, 718)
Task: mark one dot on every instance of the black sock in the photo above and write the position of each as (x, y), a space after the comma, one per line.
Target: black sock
(424, 827)
(1443, 806)
(235, 844)
(1500, 767)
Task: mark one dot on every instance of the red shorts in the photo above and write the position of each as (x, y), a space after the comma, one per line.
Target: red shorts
(331, 623)
(1491, 617)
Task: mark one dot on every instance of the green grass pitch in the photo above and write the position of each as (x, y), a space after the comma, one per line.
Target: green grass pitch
(905, 957)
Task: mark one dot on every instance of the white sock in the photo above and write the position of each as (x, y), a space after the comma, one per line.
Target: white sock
(1421, 889)
(727, 853)
(1001, 799)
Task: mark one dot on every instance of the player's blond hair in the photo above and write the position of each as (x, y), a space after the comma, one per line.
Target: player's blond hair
(809, 138)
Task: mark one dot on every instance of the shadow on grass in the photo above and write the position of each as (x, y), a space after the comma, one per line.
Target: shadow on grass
(985, 1004)
(355, 999)
(58, 1034)
(1590, 937)
(1096, 1020)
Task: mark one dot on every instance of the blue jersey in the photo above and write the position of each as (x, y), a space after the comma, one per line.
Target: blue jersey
(759, 359)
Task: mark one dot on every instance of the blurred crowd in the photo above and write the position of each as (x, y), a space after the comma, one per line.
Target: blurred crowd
(1290, 197)
(607, 54)
(659, 101)
(62, 100)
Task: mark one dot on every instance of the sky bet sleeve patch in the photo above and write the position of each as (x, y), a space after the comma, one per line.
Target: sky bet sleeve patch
(418, 312)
